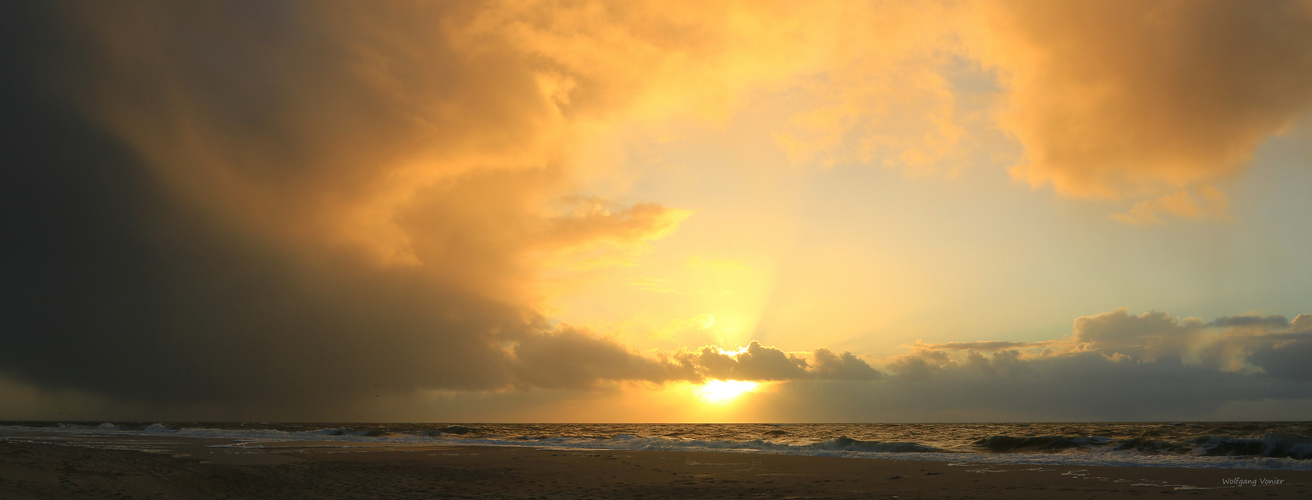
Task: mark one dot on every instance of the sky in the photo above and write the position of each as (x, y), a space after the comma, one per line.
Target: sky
(537, 211)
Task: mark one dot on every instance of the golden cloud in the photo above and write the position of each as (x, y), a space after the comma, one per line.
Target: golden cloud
(1131, 99)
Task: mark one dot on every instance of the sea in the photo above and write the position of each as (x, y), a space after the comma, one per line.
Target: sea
(1228, 445)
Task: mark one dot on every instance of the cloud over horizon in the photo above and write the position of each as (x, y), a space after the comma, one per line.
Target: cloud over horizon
(1113, 366)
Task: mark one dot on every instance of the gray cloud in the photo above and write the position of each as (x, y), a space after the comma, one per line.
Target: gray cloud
(572, 358)
(1113, 366)
(1286, 358)
(1259, 321)
(757, 362)
(1302, 323)
(763, 363)
(1151, 335)
(829, 366)
(986, 345)
(923, 365)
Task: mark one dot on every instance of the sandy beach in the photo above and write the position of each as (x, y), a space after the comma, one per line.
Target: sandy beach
(43, 467)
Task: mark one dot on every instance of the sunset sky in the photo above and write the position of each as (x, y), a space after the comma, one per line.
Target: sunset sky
(656, 211)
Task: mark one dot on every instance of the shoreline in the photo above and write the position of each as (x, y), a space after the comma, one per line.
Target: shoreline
(48, 466)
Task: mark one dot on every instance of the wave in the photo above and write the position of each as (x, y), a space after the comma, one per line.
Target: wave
(1202, 447)
(1010, 444)
(458, 430)
(368, 432)
(1154, 446)
(840, 446)
(1269, 445)
(844, 443)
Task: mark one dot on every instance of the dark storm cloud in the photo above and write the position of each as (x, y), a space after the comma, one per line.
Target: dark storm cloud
(202, 206)
(287, 210)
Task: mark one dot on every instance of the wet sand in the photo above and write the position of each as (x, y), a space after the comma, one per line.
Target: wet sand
(187, 468)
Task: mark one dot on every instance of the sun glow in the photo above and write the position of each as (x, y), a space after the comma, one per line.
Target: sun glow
(724, 391)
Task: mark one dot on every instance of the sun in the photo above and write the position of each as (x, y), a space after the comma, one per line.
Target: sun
(724, 391)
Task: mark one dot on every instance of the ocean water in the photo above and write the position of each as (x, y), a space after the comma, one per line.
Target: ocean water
(1235, 445)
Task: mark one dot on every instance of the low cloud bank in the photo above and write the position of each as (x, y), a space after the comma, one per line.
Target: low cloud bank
(1112, 366)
